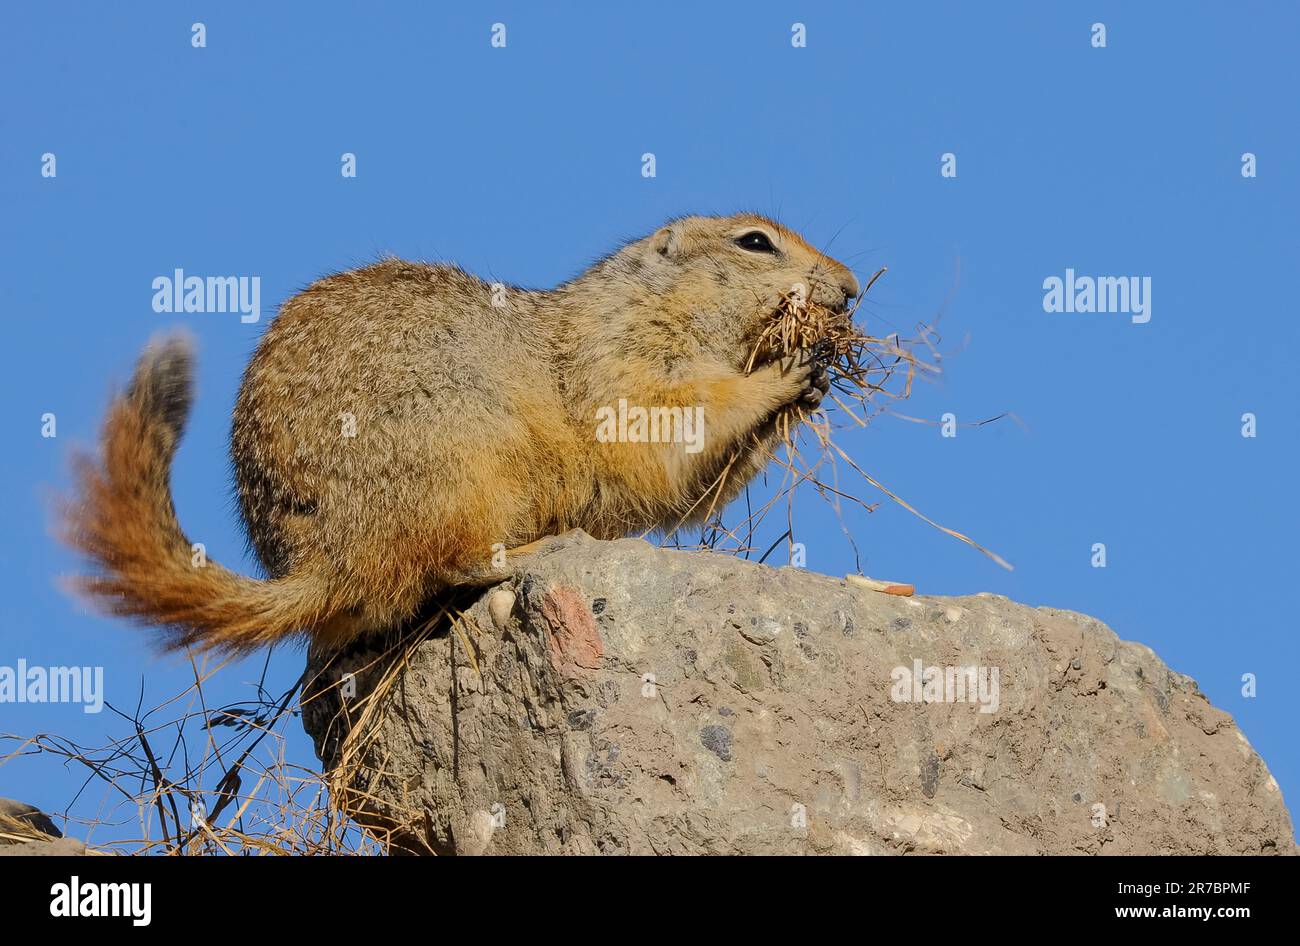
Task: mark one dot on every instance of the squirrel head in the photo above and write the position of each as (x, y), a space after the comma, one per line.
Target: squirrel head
(716, 281)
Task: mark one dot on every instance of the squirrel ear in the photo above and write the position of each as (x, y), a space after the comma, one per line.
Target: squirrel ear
(667, 242)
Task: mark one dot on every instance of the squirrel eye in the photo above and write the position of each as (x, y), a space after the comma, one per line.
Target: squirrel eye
(755, 241)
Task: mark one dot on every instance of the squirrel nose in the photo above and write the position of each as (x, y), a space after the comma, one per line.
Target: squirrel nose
(849, 284)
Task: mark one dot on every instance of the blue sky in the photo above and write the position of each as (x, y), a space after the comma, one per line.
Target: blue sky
(524, 164)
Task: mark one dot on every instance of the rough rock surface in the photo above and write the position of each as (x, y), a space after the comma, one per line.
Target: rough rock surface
(630, 699)
(26, 831)
(55, 847)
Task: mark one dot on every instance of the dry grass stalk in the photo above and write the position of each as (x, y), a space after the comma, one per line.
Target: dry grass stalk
(230, 761)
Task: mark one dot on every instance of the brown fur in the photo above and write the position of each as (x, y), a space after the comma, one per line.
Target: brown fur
(475, 425)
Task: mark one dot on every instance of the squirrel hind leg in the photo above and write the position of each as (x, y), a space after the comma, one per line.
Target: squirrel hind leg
(513, 562)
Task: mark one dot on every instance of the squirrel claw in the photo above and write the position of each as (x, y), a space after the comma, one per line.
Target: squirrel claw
(817, 385)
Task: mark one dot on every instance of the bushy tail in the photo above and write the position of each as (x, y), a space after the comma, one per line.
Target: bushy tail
(124, 520)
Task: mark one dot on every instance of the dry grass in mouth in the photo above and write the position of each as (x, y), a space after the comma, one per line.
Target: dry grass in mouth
(861, 366)
(867, 373)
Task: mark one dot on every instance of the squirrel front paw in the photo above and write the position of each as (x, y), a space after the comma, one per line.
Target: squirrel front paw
(809, 370)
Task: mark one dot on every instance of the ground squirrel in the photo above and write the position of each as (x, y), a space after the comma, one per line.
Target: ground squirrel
(400, 422)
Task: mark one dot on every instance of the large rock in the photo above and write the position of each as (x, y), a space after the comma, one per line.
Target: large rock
(630, 699)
